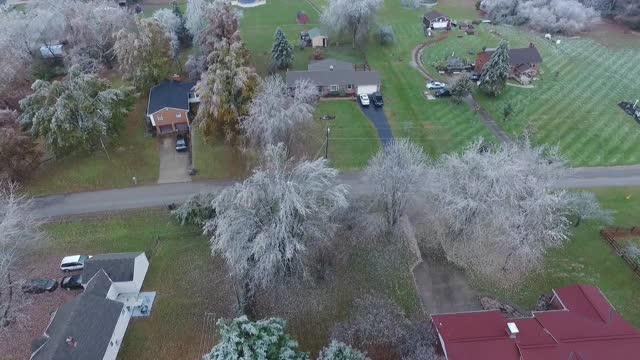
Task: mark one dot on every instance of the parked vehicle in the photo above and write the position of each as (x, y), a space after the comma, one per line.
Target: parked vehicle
(475, 77)
(38, 286)
(364, 100)
(181, 144)
(377, 100)
(443, 93)
(435, 85)
(73, 282)
(74, 262)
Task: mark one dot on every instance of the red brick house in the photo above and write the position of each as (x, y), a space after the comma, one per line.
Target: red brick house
(169, 104)
(581, 325)
(523, 61)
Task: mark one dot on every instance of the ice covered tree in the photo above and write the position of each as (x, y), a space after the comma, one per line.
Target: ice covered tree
(260, 340)
(461, 87)
(19, 233)
(396, 174)
(79, 112)
(496, 71)
(386, 35)
(225, 90)
(340, 351)
(500, 210)
(171, 24)
(282, 50)
(275, 116)
(585, 206)
(183, 34)
(144, 53)
(195, 20)
(19, 155)
(354, 17)
(264, 225)
(197, 210)
(221, 23)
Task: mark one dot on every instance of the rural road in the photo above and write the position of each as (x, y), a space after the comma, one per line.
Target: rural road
(163, 194)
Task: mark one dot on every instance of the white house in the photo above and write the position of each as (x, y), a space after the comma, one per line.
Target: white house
(93, 325)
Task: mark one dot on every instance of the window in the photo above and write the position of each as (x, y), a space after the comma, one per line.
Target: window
(160, 118)
(350, 86)
(334, 87)
(179, 115)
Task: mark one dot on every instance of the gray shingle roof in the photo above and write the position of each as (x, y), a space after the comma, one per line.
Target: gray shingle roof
(432, 15)
(99, 284)
(315, 32)
(119, 266)
(89, 320)
(336, 77)
(528, 55)
(169, 93)
(324, 65)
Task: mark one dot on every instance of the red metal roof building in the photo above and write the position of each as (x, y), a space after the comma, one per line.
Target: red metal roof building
(582, 325)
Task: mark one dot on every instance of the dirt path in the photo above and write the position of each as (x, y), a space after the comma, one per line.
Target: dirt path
(488, 120)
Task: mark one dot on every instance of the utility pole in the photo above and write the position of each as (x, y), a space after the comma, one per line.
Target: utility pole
(326, 146)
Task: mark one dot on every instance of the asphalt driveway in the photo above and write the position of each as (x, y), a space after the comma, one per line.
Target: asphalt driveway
(174, 166)
(379, 120)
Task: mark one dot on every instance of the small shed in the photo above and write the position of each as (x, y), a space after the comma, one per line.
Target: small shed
(318, 38)
(455, 65)
(436, 20)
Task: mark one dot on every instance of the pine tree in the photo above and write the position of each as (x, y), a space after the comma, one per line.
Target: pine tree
(282, 51)
(496, 72)
(461, 88)
(183, 35)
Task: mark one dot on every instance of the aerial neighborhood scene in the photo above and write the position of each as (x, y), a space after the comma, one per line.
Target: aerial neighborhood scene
(320, 179)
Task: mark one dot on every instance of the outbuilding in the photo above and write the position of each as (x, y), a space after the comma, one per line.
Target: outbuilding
(435, 20)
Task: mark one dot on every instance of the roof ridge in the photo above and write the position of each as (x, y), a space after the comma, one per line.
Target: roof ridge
(595, 308)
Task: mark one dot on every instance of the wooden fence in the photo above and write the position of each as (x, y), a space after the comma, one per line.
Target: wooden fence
(611, 234)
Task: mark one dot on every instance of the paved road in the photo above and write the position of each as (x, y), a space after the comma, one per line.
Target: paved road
(164, 194)
(379, 120)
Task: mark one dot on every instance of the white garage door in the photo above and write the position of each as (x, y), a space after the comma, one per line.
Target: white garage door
(367, 89)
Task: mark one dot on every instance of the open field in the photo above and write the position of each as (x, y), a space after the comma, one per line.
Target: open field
(133, 153)
(589, 259)
(190, 282)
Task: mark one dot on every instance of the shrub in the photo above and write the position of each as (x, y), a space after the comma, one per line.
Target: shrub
(386, 35)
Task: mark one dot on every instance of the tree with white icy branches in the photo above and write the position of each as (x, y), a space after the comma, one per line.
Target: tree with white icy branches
(19, 233)
(79, 112)
(275, 116)
(496, 71)
(144, 53)
(337, 350)
(282, 50)
(396, 174)
(499, 210)
(260, 340)
(195, 20)
(264, 225)
(171, 24)
(354, 17)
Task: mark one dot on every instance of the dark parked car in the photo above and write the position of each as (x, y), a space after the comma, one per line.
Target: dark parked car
(71, 282)
(38, 286)
(181, 144)
(443, 93)
(475, 77)
(377, 100)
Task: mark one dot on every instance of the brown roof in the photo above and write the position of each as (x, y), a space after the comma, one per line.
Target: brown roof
(528, 55)
(432, 15)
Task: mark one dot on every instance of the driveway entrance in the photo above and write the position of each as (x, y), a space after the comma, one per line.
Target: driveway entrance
(174, 166)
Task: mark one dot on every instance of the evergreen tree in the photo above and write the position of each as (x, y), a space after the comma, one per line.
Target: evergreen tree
(340, 351)
(282, 51)
(461, 88)
(183, 34)
(496, 72)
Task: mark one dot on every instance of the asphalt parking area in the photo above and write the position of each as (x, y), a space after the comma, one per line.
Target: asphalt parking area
(379, 120)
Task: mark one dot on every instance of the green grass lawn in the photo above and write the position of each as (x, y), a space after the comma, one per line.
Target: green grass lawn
(215, 159)
(133, 153)
(588, 259)
(191, 283)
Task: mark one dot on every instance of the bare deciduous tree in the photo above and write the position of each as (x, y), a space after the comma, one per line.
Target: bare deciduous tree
(18, 153)
(396, 174)
(263, 226)
(19, 232)
(275, 116)
(171, 24)
(354, 17)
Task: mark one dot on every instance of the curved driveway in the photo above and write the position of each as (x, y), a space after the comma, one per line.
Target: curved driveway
(379, 120)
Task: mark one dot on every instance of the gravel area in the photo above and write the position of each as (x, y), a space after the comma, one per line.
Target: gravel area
(16, 341)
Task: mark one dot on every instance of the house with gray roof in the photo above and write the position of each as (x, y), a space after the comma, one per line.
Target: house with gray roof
(337, 78)
(93, 324)
(169, 104)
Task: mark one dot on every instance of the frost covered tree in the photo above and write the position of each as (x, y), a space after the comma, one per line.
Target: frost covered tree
(221, 22)
(197, 210)
(195, 20)
(354, 17)
(396, 174)
(264, 225)
(260, 340)
(585, 206)
(171, 25)
(500, 210)
(340, 351)
(183, 34)
(79, 112)
(461, 87)
(386, 35)
(19, 155)
(19, 233)
(225, 90)
(275, 116)
(496, 71)
(144, 53)
(282, 50)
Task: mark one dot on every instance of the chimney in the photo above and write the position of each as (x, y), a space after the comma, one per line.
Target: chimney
(331, 68)
(512, 329)
(71, 342)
